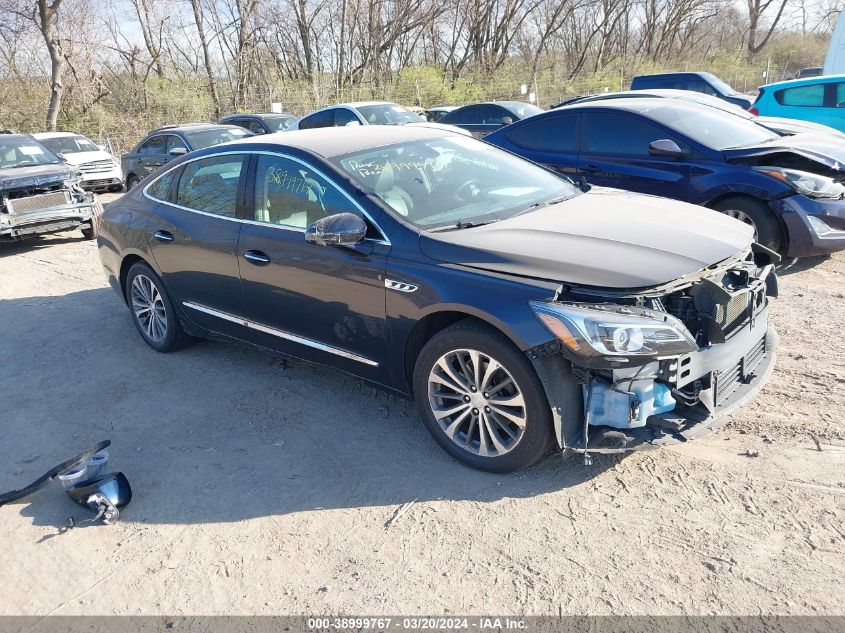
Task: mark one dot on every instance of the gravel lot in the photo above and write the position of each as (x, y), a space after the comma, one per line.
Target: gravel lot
(268, 487)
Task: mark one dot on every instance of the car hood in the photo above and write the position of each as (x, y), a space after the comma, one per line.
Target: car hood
(605, 238)
(15, 177)
(80, 158)
(828, 150)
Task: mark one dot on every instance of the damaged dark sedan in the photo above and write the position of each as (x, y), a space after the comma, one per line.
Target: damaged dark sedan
(518, 311)
(789, 189)
(39, 193)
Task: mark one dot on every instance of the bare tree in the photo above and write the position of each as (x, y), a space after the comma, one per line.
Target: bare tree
(756, 9)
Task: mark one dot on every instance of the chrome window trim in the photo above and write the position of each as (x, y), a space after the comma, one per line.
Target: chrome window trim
(286, 227)
(279, 333)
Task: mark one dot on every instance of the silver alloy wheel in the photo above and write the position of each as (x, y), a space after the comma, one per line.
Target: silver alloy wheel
(476, 402)
(743, 217)
(148, 307)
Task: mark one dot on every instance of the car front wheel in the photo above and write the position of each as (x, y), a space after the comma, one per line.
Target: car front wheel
(152, 310)
(481, 400)
(757, 215)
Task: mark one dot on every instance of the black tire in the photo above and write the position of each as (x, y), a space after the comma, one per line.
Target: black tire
(89, 233)
(758, 215)
(131, 181)
(174, 337)
(536, 434)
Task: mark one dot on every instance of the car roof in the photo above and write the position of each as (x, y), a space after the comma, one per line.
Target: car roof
(46, 135)
(16, 137)
(334, 141)
(191, 127)
(639, 105)
(696, 73)
(236, 115)
(804, 81)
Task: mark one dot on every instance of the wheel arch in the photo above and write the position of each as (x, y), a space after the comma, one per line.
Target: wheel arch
(126, 263)
(438, 320)
(784, 232)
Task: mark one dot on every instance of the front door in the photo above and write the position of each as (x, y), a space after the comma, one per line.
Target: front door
(194, 239)
(615, 154)
(320, 303)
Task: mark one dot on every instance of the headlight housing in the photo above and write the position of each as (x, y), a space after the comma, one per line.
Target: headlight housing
(812, 185)
(615, 331)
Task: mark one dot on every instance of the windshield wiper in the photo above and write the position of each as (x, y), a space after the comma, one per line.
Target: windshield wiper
(540, 205)
(461, 224)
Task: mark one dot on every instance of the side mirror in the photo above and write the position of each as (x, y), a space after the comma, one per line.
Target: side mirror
(102, 147)
(666, 148)
(506, 120)
(341, 229)
(178, 151)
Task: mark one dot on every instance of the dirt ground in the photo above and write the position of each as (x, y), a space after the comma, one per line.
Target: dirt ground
(267, 487)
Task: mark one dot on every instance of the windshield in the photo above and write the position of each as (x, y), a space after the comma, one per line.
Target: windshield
(279, 123)
(25, 153)
(709, 126)
(387, 114)
(207, 138)
(439, 183)
(70, 144)
(524, 110)
(719, 85)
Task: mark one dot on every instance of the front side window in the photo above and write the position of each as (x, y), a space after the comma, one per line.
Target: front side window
(174, 142)
(342, 117)
(254, 126)
(291, 194)
(618, 135)
(211, 184)
(463, 116)
(435, 184)
(840, 95)
(804, 96)
(324, 118)
(206, 138)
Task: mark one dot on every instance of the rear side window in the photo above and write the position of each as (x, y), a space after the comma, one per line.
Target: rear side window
(162, 189)
(318, 119)
(618, 135)
(155, 145)
(211, 185)
(805, 96)
(547, 134)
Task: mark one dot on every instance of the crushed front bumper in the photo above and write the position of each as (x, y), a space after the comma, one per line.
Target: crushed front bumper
(814, 226)
(14, 226)
(743, 368)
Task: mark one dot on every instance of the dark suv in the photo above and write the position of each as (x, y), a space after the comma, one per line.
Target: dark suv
(707, 83)
(165, 143)
(260, 123)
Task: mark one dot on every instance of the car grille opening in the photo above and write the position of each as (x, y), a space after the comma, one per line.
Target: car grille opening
(40, 202)
(727, 381)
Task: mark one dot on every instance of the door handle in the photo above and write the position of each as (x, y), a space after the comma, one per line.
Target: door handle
(163, 236)
(154, 164)
(257, 257)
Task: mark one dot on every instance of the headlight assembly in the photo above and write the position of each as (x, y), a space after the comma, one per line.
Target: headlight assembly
(812, 185)
(615, 331)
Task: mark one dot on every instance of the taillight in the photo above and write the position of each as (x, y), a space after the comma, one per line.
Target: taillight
(754, 111)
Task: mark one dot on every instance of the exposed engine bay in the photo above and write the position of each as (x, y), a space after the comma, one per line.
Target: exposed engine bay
(45, 206)
(656, 363)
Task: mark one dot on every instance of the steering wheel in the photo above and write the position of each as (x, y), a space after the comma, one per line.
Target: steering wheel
(468, 191)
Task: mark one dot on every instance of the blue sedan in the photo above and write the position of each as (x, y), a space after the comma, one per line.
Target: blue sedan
(789, 189)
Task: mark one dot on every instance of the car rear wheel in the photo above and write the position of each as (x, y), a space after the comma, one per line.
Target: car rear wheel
(481, 400)
(152, 310)
(757, 215)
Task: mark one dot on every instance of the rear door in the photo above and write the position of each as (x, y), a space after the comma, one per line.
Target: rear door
(151, 155)
(194, 238)
(320, 303)
(614, 153)
(551, 140)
